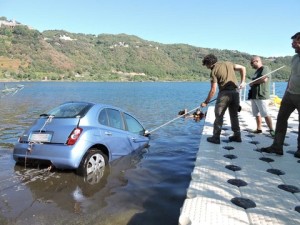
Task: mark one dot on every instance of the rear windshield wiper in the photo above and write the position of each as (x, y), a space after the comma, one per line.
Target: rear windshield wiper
(46, 115)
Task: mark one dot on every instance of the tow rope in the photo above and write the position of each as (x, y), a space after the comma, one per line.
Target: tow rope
(176, 118)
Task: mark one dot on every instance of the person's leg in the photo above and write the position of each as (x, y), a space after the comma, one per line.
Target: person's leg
(255, 113)
(258, 123)
(297, 153)
(285, 110)
(268, 120)
(220, 109)
(296, 100)
(263, 106)
(233, 113)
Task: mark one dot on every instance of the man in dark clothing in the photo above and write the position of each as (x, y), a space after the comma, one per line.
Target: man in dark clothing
(290, 102)
(223, 75)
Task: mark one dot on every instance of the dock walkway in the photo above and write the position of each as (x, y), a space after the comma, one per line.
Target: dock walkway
(233, 183)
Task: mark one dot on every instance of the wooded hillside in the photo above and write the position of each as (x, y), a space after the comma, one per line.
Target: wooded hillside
(27, 54)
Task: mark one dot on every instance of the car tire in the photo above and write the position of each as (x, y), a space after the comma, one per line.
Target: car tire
(93, 163)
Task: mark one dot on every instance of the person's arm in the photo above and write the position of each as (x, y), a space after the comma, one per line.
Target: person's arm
(242, 71)
(259, 81)
(211, 93)
(263, 77)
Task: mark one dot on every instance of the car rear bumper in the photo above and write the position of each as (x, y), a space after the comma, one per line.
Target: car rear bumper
(59, 155)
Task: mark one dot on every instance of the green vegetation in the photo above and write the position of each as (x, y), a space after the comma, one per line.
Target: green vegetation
(27, 54)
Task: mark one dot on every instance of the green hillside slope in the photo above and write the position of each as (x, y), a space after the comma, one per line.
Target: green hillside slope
(27, 54)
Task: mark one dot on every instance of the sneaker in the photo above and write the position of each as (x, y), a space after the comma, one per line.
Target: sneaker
(273, 150)
(214, 140)
(235, 138)
(297, 154)
(257, 131)
(272, 133)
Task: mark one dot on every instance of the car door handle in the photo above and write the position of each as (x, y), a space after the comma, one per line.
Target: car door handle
(107, 133)
(133, 139)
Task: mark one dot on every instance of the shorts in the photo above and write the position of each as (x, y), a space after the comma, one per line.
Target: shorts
(260, 107)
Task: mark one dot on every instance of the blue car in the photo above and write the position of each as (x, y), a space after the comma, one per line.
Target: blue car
(80, 135)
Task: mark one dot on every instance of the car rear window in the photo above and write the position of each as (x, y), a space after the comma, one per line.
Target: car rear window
(70, 110)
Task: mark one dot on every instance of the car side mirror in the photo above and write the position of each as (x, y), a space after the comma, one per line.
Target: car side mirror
(146, 133)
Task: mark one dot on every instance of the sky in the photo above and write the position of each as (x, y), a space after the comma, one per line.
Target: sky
(256, 27)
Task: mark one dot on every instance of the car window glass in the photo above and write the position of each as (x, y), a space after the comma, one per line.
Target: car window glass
(103, 118)
(115, 119)
(133, 125)
(70, 110)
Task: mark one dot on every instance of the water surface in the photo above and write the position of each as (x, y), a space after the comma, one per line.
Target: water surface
(146, 187)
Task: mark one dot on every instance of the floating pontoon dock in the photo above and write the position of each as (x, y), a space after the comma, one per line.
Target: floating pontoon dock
(233, 183)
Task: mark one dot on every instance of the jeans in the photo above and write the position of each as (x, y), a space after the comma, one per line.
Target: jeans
(289, 103)
(227, 99)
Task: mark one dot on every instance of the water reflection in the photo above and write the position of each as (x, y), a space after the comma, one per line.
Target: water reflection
(74, 193)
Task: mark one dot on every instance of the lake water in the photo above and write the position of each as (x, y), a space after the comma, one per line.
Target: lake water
(146, 187)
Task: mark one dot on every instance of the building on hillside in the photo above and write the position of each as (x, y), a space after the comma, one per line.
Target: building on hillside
(11, 23)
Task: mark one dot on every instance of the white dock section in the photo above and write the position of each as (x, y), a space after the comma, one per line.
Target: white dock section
(210, 193)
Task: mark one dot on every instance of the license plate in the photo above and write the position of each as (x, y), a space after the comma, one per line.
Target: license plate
(40, 137)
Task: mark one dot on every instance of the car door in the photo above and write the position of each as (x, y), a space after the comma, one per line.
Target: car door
(135, 132)
(115, 136)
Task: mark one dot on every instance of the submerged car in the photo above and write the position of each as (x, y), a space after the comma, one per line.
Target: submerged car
(80, 135)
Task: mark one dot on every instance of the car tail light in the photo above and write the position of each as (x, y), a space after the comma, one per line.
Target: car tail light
(74, 136)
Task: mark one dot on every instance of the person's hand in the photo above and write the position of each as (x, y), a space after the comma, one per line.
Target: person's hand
(203, 104)
(242, 85)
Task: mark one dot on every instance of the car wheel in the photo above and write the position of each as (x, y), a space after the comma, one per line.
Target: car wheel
(93, 164)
